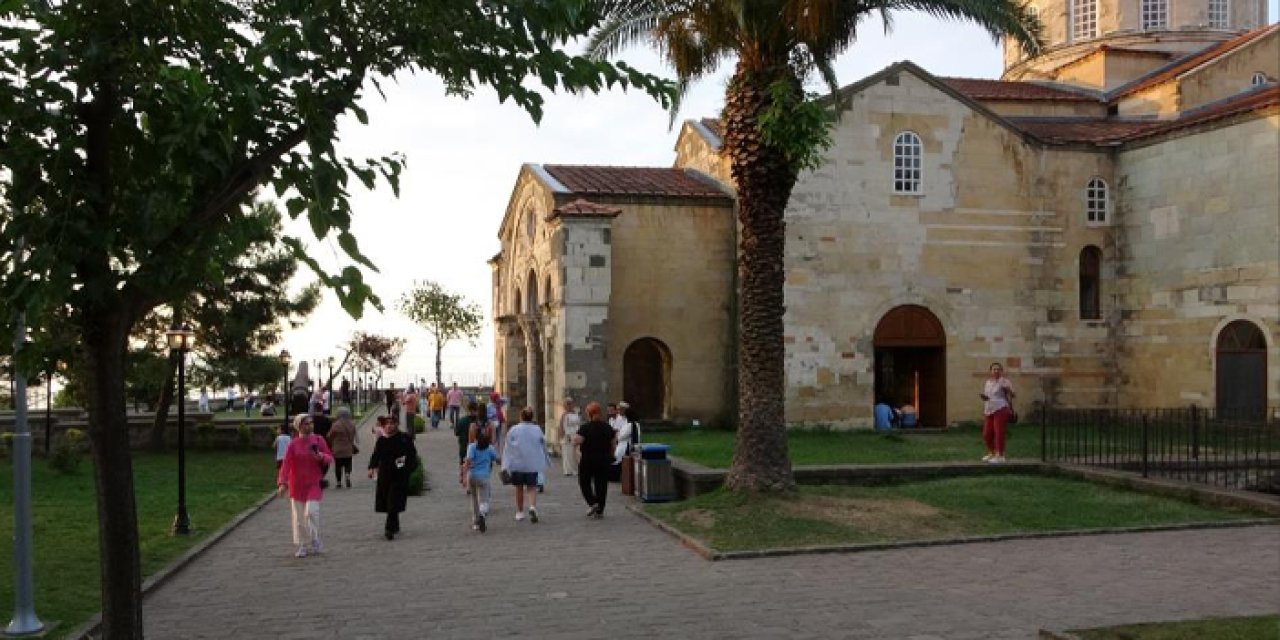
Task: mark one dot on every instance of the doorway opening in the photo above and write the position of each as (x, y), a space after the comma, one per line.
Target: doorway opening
(911, 363)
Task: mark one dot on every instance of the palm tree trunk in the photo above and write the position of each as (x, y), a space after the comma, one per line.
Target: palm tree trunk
(764, 179)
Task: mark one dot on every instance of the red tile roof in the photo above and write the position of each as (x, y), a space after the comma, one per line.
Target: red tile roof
(582, 208)
(1112, 131)
(632, 181)
(980, 89)
(1191, 61)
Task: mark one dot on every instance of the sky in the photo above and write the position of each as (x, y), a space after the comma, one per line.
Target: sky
(463, 157)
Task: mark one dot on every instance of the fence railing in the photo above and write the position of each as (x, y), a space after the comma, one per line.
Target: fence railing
(1238, 450)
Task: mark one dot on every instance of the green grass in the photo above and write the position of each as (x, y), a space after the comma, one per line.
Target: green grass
(714, 448)
(1243, 628)
(945, 508)
(219, 486)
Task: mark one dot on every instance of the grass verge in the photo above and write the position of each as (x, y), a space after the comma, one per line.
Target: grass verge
(220, 484)
(1243, 628)
(714, 448)
(944, 508)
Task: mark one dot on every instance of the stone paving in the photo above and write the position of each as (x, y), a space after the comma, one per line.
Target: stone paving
(569, 577)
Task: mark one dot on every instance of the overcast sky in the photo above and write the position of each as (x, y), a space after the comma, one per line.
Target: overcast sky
(464, 155)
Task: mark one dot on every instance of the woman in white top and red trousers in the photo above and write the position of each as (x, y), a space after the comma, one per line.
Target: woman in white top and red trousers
(997, 406)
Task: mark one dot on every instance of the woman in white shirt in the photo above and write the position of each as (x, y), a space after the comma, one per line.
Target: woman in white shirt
(997, 405)
(569, 423)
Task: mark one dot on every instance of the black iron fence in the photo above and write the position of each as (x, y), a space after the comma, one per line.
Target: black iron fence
(1238, 450)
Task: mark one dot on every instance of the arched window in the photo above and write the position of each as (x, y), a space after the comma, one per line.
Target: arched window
(519, 302)
(531, 289)
(530, 222)
(1095, 200)
(1259, 78)
(1091, 283)
(1084, 19)
(906, 162)
(1155, 14)
(1219, 13)
(1241, 372)
(546, 291)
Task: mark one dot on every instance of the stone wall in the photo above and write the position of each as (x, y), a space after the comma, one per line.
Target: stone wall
(1199, 233)
(673, 280)
(990, 247)
(222, 435)
(1231, 74)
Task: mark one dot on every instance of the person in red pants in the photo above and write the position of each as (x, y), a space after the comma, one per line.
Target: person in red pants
(997, 406)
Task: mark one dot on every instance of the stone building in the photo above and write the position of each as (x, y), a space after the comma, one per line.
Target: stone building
(1104, 221)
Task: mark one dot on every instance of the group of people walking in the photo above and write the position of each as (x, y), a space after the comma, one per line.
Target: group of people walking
(519, 457)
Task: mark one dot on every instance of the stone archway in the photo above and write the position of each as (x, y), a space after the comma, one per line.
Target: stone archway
(646, 378)
(911, 362)
(1241, 371)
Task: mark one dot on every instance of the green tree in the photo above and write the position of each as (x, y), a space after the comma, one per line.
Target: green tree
(445, 315)
(772, 132)
(372, 353)
(134, 133)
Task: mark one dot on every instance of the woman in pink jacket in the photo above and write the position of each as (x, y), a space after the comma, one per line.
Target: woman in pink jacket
(304, 465)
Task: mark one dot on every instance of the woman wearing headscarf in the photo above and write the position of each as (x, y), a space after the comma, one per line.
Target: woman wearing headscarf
(303, 466)
(394, 458)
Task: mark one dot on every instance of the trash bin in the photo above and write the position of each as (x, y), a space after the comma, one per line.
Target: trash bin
(655, 480)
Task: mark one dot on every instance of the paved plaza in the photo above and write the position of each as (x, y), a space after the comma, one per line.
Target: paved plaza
(569, 577)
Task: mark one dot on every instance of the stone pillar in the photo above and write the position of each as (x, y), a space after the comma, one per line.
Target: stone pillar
(588, 282)
(531, 326)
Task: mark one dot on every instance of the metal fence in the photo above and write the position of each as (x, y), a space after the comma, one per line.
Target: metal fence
(1193, 444)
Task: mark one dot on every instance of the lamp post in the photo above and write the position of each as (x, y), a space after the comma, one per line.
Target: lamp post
(285, 391)
(181, 339)
(48, 410)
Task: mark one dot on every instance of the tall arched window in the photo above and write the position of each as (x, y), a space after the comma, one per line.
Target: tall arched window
(1095, 200)
(906, 162)
(1219, 13)
(1155, 14)
(1084, 19)
(1091, 283)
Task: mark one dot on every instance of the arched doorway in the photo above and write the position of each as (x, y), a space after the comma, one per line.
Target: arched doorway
(646, 378)
(911, 362)
(1241, 378)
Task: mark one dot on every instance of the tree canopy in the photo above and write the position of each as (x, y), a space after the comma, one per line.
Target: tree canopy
(133, 134)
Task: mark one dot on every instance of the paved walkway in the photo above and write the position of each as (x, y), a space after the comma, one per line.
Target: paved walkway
(568, 577)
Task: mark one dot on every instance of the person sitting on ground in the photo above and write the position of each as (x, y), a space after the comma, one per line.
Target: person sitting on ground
(907, 415)
(884, 415)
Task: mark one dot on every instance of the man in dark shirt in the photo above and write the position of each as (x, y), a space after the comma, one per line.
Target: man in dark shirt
(321, 424)
(596, 441)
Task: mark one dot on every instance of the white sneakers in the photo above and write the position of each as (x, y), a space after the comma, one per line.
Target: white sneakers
(519, 516)
(988, 457)
(995, 460)
(302, 552)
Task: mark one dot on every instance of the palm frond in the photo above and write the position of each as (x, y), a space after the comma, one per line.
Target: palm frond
(1000, 18)
(627, 27)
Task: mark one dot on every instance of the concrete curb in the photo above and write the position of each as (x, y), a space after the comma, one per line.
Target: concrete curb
(89, 630)
(710, 553)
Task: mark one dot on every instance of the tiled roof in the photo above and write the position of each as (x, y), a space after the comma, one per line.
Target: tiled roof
(582, 208)
(1113, 130)
(714, 125)
(980, 89)
(632, 181)
(1191, 61)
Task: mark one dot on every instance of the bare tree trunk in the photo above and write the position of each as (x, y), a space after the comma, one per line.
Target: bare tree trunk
(439, 373)
(155, 440)
(106, 335)
(764, 179)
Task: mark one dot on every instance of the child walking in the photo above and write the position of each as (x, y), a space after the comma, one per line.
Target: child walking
(282, 444)
(479, 465)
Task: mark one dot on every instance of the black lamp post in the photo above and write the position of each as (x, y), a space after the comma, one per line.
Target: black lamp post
(285, 391)
(181, 339)
(48, 411)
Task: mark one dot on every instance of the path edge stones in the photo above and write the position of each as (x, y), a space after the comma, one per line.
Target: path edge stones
(712, 554)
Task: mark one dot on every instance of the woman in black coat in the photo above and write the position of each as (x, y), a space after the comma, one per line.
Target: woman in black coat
(394, 458)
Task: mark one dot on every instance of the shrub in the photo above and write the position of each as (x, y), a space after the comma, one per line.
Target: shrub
(65, 457)
(204, 435)
(242, 437)
(419, 424)
(6, 443)
(418, 479)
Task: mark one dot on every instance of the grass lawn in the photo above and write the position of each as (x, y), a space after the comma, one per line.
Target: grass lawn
(945, 508)
(220, 484)
(714, 448)
(1245, 628)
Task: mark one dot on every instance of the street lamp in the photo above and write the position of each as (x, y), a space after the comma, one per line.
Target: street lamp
(285, 391)
(328, 388)
(181, 339)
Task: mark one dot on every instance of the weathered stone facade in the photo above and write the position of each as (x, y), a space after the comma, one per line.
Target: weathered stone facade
(1096, 238)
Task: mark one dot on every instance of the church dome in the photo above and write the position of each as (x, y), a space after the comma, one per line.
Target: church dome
(1144, 29)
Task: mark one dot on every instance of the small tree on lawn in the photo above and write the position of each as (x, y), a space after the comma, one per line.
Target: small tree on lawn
(447, 316)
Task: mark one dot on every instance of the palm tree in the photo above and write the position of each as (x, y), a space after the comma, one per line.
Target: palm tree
(771, 134)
